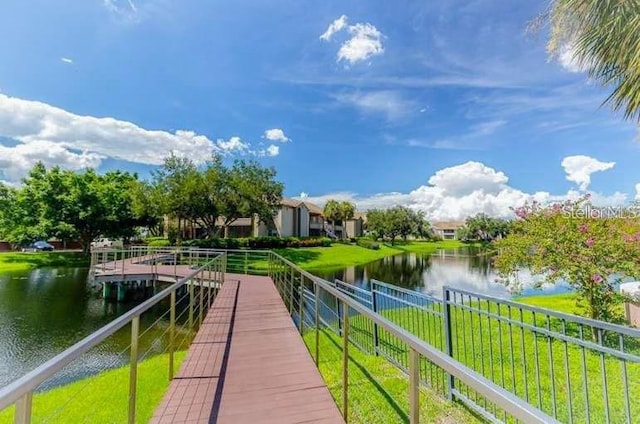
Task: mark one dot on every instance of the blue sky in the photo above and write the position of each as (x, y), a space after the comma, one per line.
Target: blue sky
(450, 107)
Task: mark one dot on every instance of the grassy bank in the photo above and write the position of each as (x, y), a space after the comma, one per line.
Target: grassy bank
(552, 375)
(103, 398)
(377, 389)
(14, 261)
(344, 255)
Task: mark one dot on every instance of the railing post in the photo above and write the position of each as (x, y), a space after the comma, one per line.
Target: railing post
(133, 368)
(345, 362)
(201, 308)
(23, 409)
(446, 310)
(374, 305)
(246, 262)
(291, 281)
(301, 304)
(414, 386)
(190, 303)
(209, 287)
(172, 333)
(317, 321)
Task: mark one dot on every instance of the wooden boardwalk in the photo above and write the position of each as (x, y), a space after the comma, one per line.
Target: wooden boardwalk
(248, 364)
(139, 268)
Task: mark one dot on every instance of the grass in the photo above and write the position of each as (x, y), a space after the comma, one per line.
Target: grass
(552, 375)
(16, 262)
(378, 391)
(340, 256)
(105, 397)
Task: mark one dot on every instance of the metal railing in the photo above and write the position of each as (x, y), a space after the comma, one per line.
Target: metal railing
(505, 361)
(572, 368)
(188, 301)
(575, 369)
(319, 307)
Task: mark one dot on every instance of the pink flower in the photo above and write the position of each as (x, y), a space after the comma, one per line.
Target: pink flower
(590, 242)
(596, 278)
(583, 227)
(521, 213)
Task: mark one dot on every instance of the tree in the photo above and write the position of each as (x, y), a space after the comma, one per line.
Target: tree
(146, 204)
(395, 222)
(347, 212)
(252, 191)
(563, 242)
(213, 196)
(482, 227)
(376, 223)
(332, 211)
(603, 37)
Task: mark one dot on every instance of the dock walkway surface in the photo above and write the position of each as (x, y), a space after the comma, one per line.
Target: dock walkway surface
(248, 364)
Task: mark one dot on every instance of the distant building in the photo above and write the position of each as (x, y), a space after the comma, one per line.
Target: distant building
(447, 230)
(294, 218)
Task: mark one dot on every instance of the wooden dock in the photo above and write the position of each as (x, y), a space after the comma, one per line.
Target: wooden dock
(248, 364)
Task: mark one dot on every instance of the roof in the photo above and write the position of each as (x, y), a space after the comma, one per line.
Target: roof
(447, 225)
(360, 215)
(240, 222)
(314, 209)
(294, 203)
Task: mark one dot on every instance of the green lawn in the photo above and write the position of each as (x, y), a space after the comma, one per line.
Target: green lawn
(344, 255)
(378, 391)
(103, 398)
(14, 261)
(529, 364)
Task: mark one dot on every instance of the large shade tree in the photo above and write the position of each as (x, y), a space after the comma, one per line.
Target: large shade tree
(213, 196)
(63, 204)
(602, 36)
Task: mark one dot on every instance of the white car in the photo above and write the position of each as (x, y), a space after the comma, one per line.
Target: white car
(104, 243)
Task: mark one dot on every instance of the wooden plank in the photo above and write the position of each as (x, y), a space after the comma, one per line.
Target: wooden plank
(248, 364)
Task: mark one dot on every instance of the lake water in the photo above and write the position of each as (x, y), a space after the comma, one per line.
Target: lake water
(464, 268)
(44, 311)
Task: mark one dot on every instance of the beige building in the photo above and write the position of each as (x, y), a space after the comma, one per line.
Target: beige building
(447, 230)
(295, 218)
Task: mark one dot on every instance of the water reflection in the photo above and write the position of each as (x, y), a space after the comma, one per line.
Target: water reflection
(44, 311)
(464, 268)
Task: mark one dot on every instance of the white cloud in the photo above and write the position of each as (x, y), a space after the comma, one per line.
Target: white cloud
(569, 60)
(58, 135)
(276, 134)
(336, 26)
(29, 121)
(389, 103)
(463, 190)
(364, 41)
(273, 150)
(579, 169)
(638, 191)
(16, 161)
(234, 144)
(469, 177)
(66, 60)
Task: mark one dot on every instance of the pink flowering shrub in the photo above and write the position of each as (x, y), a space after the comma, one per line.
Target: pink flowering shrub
(559, 242)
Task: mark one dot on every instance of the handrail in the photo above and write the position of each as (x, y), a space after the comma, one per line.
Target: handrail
(30, 381)
(629, 331)
(502, 398)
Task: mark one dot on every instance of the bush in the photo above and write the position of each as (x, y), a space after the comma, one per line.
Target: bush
(369, 244)
(158, 242)
(257, 243)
